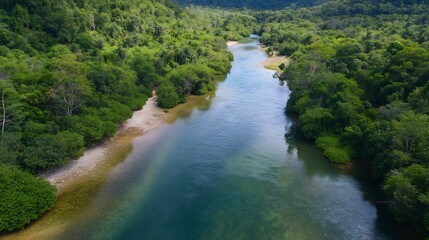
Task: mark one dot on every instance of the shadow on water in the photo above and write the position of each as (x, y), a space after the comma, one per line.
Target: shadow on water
(194, 102)
(185, 110)
(316, 165)
(249, 48)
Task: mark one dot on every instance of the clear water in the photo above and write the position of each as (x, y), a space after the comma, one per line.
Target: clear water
(224, 170)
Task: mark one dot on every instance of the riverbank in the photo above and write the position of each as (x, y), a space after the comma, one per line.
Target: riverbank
(274, 62)
(81, 179)
(211, 166)
(231, 43)
(146, 119)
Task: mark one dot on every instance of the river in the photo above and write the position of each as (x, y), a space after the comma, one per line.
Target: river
(224, 170)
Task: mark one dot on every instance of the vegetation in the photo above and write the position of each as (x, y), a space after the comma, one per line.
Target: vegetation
(72, 70)
(252, 4)
(23, 198)
(359, 76)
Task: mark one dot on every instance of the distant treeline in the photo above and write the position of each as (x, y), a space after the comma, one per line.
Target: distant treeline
(280, 4)
(251, 4)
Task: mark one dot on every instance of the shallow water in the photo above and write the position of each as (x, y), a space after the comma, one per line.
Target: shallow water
(223, 169)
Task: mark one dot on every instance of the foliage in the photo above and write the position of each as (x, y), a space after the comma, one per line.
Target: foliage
(337, 155)
(23, 198)
(359, 81)
(409, 194)
(167, 96)
(254, 4)
(333, 149)
(48, 151)
(316, 121)
(71, 71)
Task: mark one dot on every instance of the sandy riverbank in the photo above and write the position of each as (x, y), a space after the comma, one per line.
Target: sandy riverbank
(274, 62)
(146, 119)
(231, 43)
(81, 179)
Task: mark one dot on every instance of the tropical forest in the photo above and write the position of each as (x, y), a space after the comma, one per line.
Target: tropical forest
(196, 119)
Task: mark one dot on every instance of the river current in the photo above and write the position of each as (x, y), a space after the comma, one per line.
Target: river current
(225, 170)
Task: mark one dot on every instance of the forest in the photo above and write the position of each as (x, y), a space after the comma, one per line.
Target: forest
(72, 71)
(293, 4)
(359, 77)
(251, 4)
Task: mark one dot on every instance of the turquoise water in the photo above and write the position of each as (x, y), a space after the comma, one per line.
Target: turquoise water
(226, 171)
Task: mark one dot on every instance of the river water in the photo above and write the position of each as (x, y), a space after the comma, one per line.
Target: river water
(224, 170)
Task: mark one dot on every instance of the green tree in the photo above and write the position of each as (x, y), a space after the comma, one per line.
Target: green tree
(86, 41)
(10, 148)
(408, 190)
(49, 151)
(93, 128)
(167, 96)
(71, 87)
(314, 122)
(23, 198)
(11, 109)
(411, 133)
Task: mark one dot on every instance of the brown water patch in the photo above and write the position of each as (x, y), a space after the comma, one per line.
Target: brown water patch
(185, 110)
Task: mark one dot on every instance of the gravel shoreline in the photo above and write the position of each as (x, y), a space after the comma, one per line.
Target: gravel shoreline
(142, 121)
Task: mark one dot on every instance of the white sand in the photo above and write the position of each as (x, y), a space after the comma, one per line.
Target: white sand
(146, 119)
(231, 43)
(273, 63)
(275, 60)
(149, 117)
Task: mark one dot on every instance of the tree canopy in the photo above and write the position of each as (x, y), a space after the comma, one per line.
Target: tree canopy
(23, 198)
(251, 4)
(71, 71)
(359, 76)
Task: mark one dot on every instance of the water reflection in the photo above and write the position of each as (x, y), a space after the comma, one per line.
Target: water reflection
(249, 48)
(319, 168)
(185, 110)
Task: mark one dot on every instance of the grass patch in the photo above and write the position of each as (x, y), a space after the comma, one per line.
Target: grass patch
(333, 149)
(337, 155)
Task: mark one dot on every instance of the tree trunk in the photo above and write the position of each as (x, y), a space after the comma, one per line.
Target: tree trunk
(4, 112)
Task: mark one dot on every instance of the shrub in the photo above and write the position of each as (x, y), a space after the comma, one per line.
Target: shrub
(333, 149)
(315, 122)
(23, 198)
(49, 151)
(167, 96)
(326, 141)
(337, 155)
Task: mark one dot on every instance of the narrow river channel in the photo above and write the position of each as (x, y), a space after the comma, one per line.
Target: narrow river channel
(224, 170)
